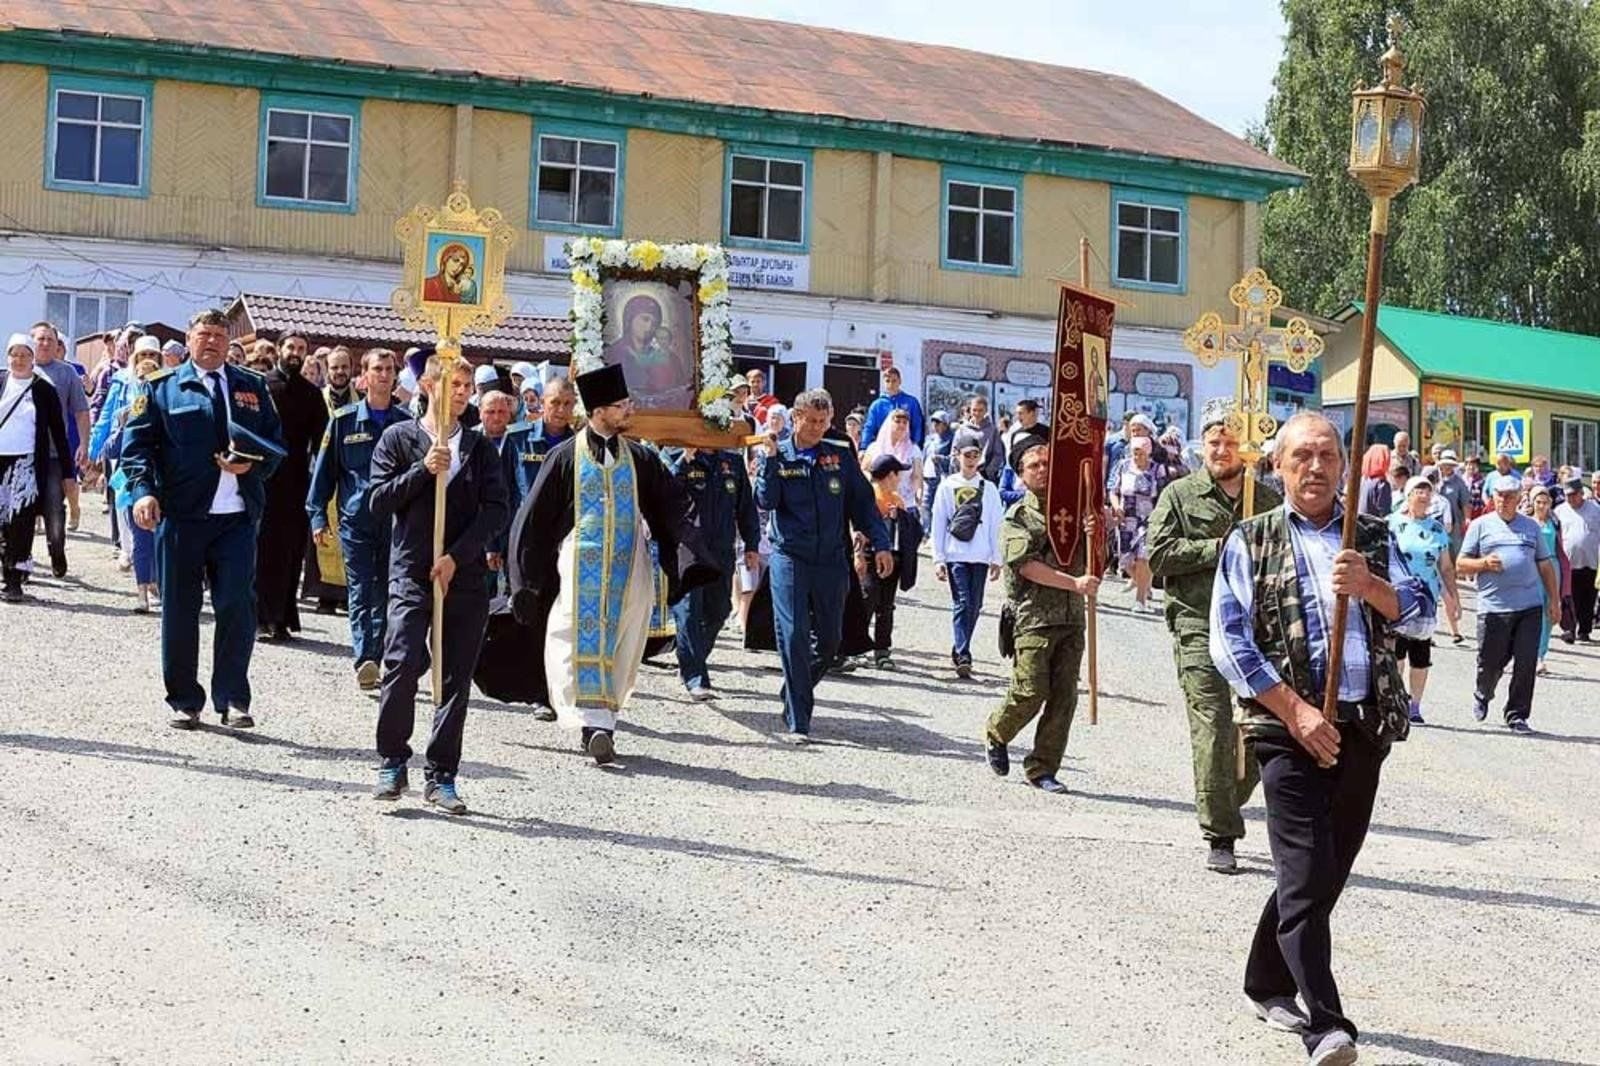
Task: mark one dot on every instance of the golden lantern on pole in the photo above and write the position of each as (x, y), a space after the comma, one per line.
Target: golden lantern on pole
(1385, 156)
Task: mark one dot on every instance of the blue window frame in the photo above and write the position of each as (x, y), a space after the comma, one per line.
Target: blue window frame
(980, 220)
(99, 135)
(1149, 240)
(766, 198)
(310, 152)
(578, 171)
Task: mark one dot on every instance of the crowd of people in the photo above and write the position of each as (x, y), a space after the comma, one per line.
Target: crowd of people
(273, 475)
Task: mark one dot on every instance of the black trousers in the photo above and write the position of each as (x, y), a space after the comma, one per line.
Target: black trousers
(1316, 823)
(1583, 599)
(53, 507)
(1509, 638)
(405, 659)
(880, 595)
(16, 537)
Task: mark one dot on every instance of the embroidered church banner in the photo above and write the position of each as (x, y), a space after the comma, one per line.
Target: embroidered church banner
(1078, 429)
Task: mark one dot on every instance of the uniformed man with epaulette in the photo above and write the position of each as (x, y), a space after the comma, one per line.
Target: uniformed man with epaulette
(1192, 519)
(1048, 606)
(343, 470)
(202, 439)
(810, 487)
(530, 442)
(721, 505)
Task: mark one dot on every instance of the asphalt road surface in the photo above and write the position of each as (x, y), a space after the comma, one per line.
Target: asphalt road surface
(878, 897)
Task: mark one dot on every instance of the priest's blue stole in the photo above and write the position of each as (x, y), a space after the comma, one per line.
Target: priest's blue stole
(605, 526)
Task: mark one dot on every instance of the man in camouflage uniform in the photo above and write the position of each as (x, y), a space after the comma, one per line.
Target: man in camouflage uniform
(1049, 607)
(1192, 518)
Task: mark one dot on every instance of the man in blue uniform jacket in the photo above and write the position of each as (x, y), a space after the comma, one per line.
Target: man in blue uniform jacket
(531, 442)
(721, 505)
(811, 486)
(344, 470)
(405, 466)
(202, 439)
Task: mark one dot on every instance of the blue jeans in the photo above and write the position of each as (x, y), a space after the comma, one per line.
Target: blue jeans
(700, 616)
(808, 614)
(967, 581)
(366, 579)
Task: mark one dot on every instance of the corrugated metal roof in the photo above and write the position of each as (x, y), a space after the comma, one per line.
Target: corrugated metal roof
(679, 54)
(375, 325)
(1492, 353)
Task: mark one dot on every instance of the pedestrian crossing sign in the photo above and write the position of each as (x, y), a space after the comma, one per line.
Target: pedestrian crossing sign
(1510, 432)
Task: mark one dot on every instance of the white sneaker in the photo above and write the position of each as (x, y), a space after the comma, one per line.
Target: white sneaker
(1335, 1049)
(1281, 1013)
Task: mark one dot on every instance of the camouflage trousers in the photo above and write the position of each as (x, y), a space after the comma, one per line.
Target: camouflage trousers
(1044, 682)
(1219, 793)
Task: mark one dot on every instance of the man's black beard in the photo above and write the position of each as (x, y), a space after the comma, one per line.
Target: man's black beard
(290, 364)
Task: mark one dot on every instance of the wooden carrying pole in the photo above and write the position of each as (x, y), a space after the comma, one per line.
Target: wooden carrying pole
(1090, 559)
(1358, 436)
(442, 411)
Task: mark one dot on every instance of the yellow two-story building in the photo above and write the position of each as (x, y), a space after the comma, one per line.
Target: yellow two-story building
(885, 202)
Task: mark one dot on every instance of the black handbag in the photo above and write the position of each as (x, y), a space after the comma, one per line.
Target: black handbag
(1008, 632)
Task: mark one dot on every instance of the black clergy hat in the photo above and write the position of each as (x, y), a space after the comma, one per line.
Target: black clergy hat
(602, 387)
(1022, 443)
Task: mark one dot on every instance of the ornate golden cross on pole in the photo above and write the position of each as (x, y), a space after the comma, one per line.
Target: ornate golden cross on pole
(1256, 343)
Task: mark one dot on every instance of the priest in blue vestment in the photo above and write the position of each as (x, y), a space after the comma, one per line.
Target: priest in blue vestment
(582, 578)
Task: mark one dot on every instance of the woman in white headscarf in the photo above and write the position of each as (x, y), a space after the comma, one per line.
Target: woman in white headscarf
(894, 438)
(1133, 497)
(32, 433)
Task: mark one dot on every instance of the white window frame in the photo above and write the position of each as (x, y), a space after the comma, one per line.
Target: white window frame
(70, 329)
(1588, 457)
(1471, 442)
(766, 186)
(1149, 231)
(577, 168)
(100, 124)
(981, 212)
(308, 142)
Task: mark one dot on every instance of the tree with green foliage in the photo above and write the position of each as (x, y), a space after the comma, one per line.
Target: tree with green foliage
(1505, 222)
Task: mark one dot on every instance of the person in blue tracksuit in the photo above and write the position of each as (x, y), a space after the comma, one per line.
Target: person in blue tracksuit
(343, 472)
(811, 487)
(201, 441)
(720, 505)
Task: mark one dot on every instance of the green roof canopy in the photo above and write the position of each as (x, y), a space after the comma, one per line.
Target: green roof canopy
(1493, 353)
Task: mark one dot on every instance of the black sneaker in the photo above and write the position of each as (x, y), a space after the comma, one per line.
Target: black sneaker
(601, 748)
(392, 783)
(542, 713)
(1520, 726)
(1048, 784)
(184, 720)
(11, 594)
(964, 668)
(1480, 709)
(58, 565)
(1221, 859)
(236, 718)
(883, 662)
(999, 757)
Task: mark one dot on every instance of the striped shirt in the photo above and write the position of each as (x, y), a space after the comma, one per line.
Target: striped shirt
(1233, 641)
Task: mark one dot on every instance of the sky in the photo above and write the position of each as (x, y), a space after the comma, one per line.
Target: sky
(1215, 57)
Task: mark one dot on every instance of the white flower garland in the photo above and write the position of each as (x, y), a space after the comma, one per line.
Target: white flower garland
(591, 255)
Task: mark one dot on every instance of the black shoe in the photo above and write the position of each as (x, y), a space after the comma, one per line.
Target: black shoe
(541, 713)
(1048, 784)
(999, 757)
(11, 594)
(238, 719)
(964, 668)
(1221, 859)
(58, 565)
(1520, 726)
(601, 748)
(184, 720)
